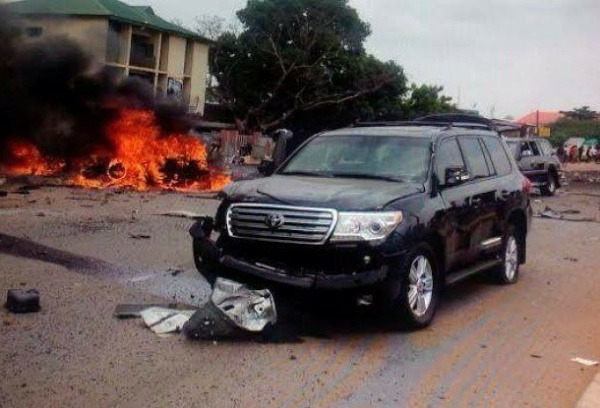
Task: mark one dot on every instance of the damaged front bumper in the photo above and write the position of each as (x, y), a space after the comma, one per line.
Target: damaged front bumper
(212, 262)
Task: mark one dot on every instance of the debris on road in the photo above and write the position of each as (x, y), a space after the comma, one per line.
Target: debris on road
(570, 258)
(23, 301)
(550, 213)
(8, 320)
(584, 361)
(3, 193)
(232, 306)
(175, 271)
(183, 214)
(140, 236)
(535, 356)
(124, 311)
(163, 320)
(560, 215)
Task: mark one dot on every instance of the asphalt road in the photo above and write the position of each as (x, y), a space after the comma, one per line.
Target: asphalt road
(489, 344)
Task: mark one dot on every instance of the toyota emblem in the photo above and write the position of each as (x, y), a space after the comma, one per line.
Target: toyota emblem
(274, 220)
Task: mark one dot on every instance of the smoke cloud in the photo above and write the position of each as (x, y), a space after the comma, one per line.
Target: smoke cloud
(52, 93)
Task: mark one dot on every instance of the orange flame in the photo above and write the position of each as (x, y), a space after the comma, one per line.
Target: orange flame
(139, 157)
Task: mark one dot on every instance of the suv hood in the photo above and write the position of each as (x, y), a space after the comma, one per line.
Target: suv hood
(345, 194)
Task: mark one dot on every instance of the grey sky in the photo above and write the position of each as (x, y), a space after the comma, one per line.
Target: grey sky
(514, 55)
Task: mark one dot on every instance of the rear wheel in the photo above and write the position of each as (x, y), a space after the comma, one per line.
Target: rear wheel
(418, 285)
(508, 272)
(549, 188)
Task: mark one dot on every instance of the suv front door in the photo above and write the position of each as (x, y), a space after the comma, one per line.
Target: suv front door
(468, 211)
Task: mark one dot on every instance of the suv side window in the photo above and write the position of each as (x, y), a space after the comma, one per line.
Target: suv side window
(499, 156)
(448, 155)
(546, 148)
(475, 157)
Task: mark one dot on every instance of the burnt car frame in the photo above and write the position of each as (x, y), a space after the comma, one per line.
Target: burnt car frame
(398, 240)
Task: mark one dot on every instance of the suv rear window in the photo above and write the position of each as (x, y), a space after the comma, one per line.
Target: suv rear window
(475, 157)
(499, 157)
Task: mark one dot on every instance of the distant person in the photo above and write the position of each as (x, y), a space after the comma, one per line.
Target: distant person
(573, 153)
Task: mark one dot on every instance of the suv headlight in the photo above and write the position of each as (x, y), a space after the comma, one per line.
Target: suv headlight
(365, 226)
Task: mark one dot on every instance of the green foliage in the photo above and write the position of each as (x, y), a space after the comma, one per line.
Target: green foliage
(297, 56)
(303, 62)
(427, 99)
(583, 113)
(568, 127)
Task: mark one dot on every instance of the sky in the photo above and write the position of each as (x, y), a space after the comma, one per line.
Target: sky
(501, 57)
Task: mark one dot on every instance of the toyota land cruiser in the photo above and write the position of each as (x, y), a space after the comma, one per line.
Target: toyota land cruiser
(396, 211)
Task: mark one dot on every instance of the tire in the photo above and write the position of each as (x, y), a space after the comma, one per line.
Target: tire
(417, 286)
(508, 272)
(549, 188)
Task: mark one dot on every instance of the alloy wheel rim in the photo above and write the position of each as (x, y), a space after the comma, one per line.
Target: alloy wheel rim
(511, 258)
(420, 285)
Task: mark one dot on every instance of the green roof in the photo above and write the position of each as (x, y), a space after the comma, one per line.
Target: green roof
(112, 9)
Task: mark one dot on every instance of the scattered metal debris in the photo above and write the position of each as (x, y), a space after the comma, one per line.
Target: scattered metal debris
(163, 320)
(560, 215)
(183, 214)
(140, 236)
(570, 258)
(175, 271)
(535, 356)
(584, 361)
(232, 306)
(23, 301)
(124, 311)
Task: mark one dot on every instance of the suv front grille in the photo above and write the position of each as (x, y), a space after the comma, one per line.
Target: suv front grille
(280, 223)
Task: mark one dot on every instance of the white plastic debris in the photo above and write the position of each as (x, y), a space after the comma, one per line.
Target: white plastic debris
(584, 361)
(249, 309)
(162, 320)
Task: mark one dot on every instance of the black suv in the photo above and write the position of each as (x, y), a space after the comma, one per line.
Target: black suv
(393, 212)
(536, 160)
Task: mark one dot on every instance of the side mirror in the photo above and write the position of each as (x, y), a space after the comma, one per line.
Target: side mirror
(455, 175)
(266, 167)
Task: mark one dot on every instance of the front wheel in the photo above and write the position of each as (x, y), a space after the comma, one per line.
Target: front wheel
(549, 188)
(419, 285)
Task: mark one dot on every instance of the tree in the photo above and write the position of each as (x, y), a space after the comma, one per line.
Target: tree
(568, 127)
(427, 99)
(583, 113)
(298, 56)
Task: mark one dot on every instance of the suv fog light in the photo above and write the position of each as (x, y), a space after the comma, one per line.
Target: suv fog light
(367, 259)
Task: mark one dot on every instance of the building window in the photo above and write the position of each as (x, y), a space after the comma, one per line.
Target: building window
(34, 31)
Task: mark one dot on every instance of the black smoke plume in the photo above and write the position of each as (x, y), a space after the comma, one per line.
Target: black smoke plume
(52, 94)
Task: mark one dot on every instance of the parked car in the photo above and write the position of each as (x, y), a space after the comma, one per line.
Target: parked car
(538, 161)
(394, 212)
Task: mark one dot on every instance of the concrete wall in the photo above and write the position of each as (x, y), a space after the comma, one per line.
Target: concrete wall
(198, 76)
(176, 57)
(90, 32)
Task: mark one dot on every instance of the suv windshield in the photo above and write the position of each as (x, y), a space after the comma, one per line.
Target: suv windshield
(359, 156)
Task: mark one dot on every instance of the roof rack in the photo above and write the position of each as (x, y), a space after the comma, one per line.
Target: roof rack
(449, 125)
